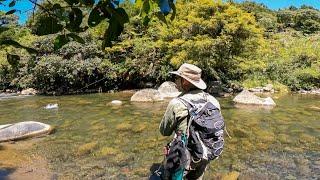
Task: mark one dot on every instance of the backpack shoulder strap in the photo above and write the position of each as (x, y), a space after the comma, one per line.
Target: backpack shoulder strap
(189, 106)
(187, 103)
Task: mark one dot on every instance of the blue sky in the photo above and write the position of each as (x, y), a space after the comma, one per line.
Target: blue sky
(25, 5)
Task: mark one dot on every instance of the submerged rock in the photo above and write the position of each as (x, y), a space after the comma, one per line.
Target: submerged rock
(168, 89)
(23, 130)
(51, 106)
(231, 176)
(257, 175)
(147, 95)
(246, 97)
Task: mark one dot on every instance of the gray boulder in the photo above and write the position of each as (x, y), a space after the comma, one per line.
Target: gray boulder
(147, 95)
(168, 89)
(23, 130)
(29, 91)
(246, 97)
(268, 88)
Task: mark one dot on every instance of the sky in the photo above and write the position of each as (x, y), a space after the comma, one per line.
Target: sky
(26, 7)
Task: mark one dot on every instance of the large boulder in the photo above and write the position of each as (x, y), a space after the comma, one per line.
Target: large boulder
(29, 91)
(147, 95)
(169, 89)
(246, 97)
(23, 130)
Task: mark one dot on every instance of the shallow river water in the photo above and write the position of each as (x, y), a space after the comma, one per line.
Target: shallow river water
(94, 139)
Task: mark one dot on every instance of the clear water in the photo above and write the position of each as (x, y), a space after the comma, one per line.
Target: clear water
(97, 140)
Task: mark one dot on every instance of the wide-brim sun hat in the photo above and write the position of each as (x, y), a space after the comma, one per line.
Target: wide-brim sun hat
(192, 74)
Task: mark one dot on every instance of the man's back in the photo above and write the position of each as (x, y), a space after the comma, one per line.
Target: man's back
(175, 117)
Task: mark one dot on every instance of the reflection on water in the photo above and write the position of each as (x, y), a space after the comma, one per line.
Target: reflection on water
(95, 139)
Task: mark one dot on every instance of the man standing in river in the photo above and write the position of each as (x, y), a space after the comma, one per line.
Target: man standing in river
(176, 117)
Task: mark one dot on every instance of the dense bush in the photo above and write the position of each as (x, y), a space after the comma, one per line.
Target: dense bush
(245, 44)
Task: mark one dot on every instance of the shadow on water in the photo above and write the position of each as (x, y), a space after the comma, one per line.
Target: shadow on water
(5, 172)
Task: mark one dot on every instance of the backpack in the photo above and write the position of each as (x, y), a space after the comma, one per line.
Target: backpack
(205, 129)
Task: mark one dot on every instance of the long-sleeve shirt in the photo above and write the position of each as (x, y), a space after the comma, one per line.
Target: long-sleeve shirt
(176, 115)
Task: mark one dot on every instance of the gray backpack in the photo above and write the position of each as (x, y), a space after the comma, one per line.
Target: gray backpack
(205, 129)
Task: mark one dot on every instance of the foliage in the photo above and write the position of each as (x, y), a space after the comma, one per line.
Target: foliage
(288, 63)
(244, 43)
(305, 18)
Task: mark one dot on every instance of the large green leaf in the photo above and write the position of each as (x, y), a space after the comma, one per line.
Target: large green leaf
(76, 38)
(145, 8)
(112, 33)
(11, 12)
(120, 14)
(12, 3)
(10, 42)
(161, 17)
(48, 25)
(63, 39)
(60, 41)
(56, 6)
(87, 2)
(75, 20)
(96, 16)
(174, 10)
(72, 2)
(13, 60)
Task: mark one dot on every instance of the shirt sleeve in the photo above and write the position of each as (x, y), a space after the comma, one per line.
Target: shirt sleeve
(175, 113)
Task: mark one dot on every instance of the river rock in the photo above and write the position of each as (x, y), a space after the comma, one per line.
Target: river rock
(215, 87)
(7, 95)
(246, 97)
(168, 89)
(312, 91)
(29, 91)
(51, 106)
(116, 102)
(256, 89)
(231, 176)
(23, 130)
(147, 95)
(257, 175)
(268, 88)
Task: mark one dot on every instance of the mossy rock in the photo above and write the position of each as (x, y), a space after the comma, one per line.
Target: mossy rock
(284, 138)
(265, 136)
(307, 139)
(124, 127)
(240, 133)
(97, 127)
(139, 128)
(247, 145)
(86, 148)
(141, 171)
(231, 176)
(106, 151)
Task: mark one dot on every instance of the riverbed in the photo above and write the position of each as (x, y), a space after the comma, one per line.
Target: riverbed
(95, 139)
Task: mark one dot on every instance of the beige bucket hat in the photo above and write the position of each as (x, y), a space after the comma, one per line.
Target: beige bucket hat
(192, 74)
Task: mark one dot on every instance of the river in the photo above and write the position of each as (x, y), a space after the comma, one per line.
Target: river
(97, 140)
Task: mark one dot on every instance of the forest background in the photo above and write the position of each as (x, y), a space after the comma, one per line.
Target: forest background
(238, 44)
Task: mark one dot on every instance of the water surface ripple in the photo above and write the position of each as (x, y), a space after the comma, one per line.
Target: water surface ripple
(97, 140)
